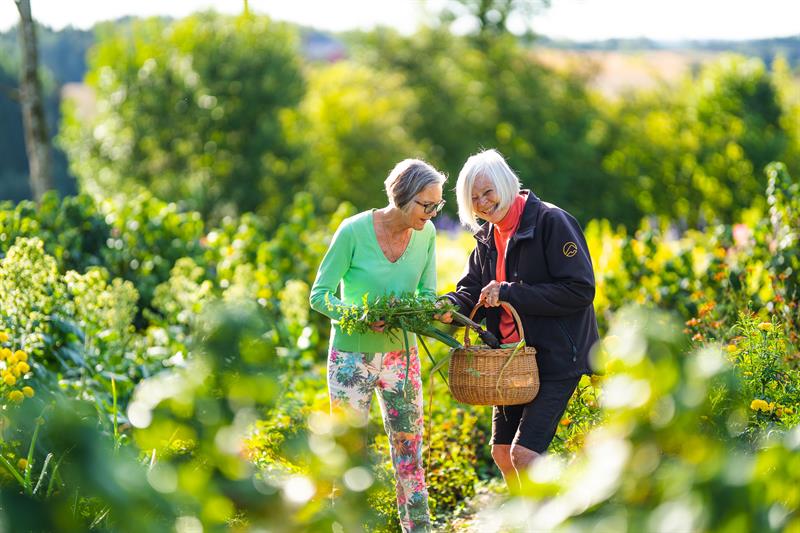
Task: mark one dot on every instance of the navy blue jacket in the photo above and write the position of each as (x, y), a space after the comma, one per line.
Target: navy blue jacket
(550, 282)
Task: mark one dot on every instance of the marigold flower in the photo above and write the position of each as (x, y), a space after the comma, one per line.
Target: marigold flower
(28, 391)
(4, 353)
(706, 308)
(697, 337)
(3, 336)
(9, 380)
(23, 367)
(16, 396)
(759, 405)
(22, 464)
(21, 356)
(731, 348)
(566, 421)
(11, 359)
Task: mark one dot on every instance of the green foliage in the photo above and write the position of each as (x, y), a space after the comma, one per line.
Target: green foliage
(452, 456)
(770, 385)
(671, 441)
(353, 125)
(783, 198)
(189, 110)
(498, 95)
(696, 154)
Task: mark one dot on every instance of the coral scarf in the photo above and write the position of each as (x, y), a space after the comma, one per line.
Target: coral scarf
(503, 231)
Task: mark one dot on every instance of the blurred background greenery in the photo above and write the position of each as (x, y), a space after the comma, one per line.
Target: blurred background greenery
(161, 369)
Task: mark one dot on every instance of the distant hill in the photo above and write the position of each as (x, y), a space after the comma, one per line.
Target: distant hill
(766, 49)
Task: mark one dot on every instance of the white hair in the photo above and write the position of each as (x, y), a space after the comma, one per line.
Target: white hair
(490, 164)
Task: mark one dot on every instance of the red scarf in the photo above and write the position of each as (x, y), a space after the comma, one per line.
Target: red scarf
(503, 231)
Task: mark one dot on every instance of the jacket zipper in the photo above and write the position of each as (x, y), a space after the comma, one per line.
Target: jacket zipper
(571, 342)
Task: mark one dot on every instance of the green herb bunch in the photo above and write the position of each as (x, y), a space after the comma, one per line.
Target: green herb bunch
(400, 312)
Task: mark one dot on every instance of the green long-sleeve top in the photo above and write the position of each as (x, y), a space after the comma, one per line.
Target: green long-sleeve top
(355, 262)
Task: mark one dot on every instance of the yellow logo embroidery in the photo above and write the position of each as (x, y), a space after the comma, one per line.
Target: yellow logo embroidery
(570, 249)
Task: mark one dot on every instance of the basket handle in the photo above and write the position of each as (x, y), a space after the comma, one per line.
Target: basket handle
(509, 308)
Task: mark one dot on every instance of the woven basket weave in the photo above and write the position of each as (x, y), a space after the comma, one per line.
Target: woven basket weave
(480, 375)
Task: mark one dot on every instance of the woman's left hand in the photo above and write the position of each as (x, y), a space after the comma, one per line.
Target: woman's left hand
(490, 294)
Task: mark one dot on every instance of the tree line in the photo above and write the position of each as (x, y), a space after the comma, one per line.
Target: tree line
(224, 114)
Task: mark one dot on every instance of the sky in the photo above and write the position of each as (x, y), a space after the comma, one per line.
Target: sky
(580, 20)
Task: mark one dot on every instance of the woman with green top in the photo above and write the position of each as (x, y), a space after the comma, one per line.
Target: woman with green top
(382, 252)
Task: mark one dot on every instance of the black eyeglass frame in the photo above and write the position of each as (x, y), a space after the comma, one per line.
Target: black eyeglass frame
(431, 207)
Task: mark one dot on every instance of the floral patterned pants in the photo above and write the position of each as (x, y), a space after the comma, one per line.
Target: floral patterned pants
(352, 377)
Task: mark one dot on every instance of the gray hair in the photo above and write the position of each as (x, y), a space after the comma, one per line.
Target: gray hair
(407, 179)
(490, 164)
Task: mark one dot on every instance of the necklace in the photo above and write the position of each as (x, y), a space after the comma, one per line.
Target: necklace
(392, 247)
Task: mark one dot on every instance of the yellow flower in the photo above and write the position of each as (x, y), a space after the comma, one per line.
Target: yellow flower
(10, 380)
(765, 326)
(731, 348)
(22, 464)
(28, 391)
(23, 367)
(3, 336)
(11, 359)
(759, 405)
(21, 356)
(16, 396)
(4, 353)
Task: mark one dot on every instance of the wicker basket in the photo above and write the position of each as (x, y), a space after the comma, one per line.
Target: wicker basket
(480, 375)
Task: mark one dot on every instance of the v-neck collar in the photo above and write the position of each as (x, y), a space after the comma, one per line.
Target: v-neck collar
(378, 245)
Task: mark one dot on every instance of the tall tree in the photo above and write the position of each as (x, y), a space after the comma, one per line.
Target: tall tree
(37, 141)
(191, 110)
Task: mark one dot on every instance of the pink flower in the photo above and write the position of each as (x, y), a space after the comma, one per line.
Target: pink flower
(741, 235)
(408, 469)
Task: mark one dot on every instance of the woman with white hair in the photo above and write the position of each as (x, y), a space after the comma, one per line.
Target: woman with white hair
(534, 256)
(382, 252)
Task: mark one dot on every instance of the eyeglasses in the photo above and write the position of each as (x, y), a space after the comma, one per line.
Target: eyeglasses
(431, 207)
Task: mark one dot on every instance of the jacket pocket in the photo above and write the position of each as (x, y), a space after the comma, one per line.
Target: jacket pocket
(572, 345)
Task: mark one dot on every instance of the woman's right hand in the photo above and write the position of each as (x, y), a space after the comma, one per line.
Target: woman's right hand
(445, 318)
(377, 326)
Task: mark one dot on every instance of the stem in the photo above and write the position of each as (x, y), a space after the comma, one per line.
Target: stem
(425, 347)
(29, 466)
(116, 425)
(12, 470)
(43, 472)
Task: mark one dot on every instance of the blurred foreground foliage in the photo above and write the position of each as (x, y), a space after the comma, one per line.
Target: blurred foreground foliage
(176, 381)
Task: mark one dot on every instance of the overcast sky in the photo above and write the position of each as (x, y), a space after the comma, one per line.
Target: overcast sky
(574, 19)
